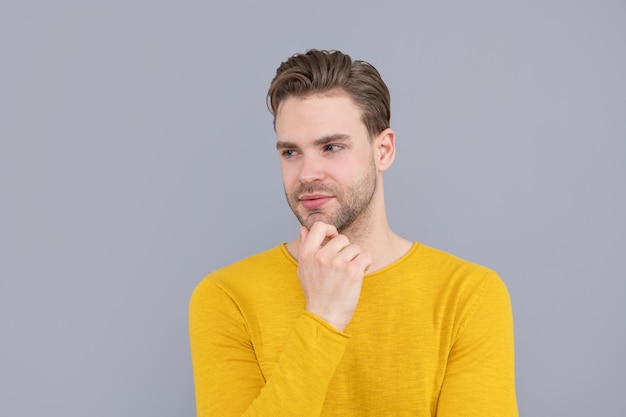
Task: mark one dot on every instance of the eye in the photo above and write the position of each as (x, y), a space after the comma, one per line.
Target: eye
(288, 153)
(332, 147)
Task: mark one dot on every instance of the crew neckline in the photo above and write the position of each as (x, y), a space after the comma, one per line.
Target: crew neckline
(414, 246)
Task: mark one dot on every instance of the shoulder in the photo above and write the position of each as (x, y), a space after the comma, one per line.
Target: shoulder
(259, 263)
(458, 278)
(441, 260)
(444, 264)
(254, 274)
(463, 290)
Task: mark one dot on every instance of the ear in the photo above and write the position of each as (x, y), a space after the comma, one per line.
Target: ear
(385, 149)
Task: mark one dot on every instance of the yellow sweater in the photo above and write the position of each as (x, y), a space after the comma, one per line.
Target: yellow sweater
(432, 335)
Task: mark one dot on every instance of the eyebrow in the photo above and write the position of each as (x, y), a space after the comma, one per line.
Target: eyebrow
(337, 137)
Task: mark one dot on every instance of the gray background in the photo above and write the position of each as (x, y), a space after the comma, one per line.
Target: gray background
(137, 155)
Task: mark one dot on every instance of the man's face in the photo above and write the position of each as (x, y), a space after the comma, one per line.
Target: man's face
(327, 162)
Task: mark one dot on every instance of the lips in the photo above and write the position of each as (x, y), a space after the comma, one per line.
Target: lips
(314, 201)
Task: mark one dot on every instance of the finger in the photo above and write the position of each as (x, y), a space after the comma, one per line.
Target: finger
(303, 233)
(363, 260)
(337, 244)
(318, 233)
(349, 253)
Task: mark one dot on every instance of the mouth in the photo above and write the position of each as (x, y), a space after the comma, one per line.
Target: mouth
(314, 201)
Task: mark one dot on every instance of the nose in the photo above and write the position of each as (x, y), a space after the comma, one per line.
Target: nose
(311, 169)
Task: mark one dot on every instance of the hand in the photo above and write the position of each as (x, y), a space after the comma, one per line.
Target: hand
(331, 274)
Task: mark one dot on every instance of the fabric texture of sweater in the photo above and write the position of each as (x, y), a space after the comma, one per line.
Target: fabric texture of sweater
(432, 335)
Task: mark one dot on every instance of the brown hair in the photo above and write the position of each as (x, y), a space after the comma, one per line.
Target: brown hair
(318, 71)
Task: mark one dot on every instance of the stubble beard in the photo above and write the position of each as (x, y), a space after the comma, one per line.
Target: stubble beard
(354, 202)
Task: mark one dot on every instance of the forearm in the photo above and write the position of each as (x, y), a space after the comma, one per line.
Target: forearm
(228, 378)
(300, 379)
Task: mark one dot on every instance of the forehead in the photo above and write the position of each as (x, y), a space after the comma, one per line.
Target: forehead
(317, 116)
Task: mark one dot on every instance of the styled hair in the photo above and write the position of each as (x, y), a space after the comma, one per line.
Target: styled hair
(320, 71)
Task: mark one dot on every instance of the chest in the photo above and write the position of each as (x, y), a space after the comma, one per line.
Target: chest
(397, 352)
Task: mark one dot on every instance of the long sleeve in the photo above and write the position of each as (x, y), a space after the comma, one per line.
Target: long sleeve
(227, 375)
(479, 377)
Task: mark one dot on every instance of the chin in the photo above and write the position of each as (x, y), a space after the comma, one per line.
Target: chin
(310, 220)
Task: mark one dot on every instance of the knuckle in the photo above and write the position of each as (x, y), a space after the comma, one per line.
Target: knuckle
(356, 248)
(352, 268)
(337, 262)
(321, 257)
(342, 239)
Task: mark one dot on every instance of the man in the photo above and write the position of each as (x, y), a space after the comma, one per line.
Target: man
(348, 319)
